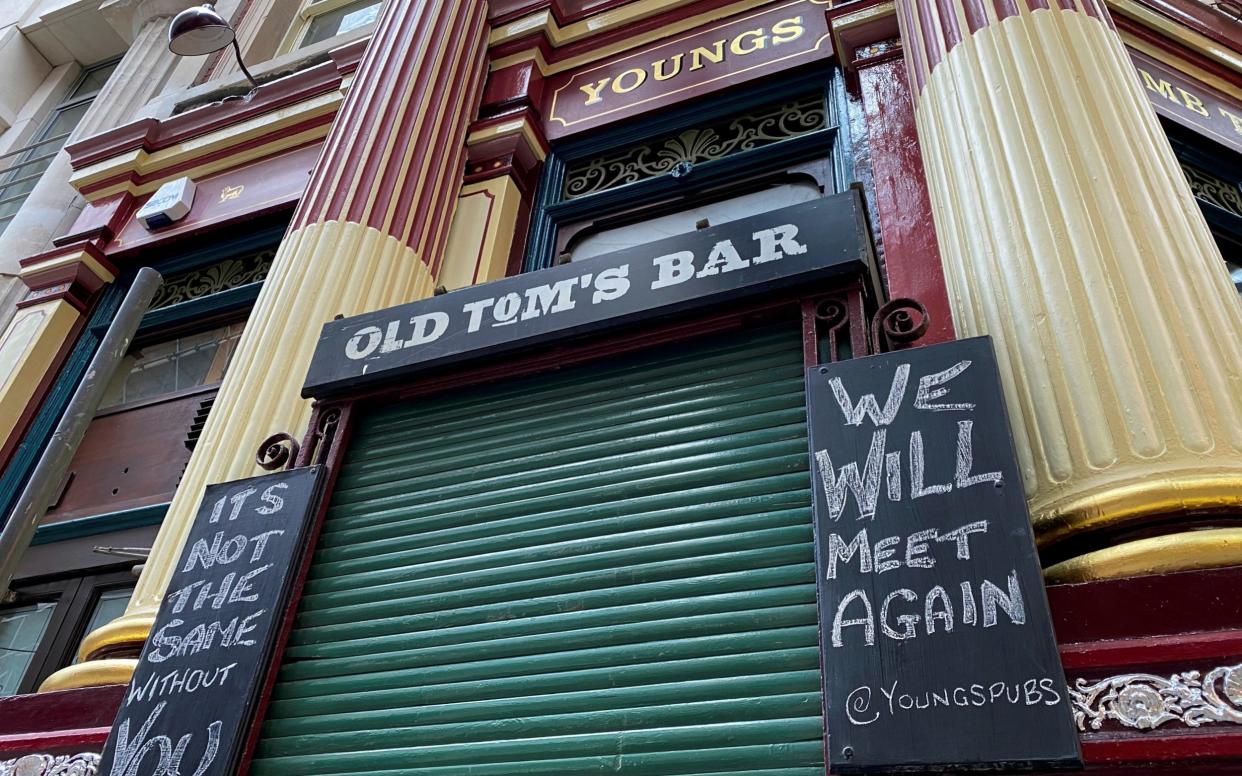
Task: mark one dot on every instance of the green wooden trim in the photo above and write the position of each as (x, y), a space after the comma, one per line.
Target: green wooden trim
(99, 524)
(15, 475)
(31, 447)
(231, 300)
(550, 211)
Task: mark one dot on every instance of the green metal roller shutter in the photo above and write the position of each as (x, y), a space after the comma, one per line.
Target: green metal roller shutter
(606, 569)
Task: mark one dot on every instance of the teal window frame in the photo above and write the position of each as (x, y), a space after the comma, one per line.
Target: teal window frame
(551, 210)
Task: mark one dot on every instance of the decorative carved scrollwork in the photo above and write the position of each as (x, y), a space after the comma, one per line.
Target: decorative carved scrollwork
(1147, 701)
(212, 279)
(677, 155)
(279, 451)
(1213, 190)
(82, 764)
(898, 324)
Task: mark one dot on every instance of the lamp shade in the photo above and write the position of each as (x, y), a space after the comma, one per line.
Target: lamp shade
(198, 31)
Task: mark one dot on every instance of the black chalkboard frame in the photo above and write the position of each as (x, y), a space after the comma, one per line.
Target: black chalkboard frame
(231, 748)
(1059, 749)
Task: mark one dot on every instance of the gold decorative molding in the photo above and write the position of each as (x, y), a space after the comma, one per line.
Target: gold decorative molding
(1201, 549)
(213, 152)
(115, 636)
(394, 244)
(96, 673)
(618, 18)
(521, 127)
(1170, 29)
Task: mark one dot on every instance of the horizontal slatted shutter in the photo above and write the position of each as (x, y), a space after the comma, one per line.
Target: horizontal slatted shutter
(605, 569)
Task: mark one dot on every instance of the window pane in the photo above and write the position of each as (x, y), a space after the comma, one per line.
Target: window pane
(21, 629)
(94, 79)
(173, 365)
(686, 221)
(109, 606)
(22, 171)
(342, 20)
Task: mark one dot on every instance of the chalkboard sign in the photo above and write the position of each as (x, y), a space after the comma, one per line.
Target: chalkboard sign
(189, 707)
(938, 651)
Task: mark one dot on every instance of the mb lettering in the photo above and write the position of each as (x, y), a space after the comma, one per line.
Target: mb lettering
(588, 288)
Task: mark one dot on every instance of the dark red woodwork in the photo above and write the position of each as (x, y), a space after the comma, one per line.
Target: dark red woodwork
(152, 135)
(567, 110)
(272, 184)
(1200, 18)
(911, 255)
(129, 458)
(64, 722)
(512, 89)
(73, 282)
(1160, 625)
(506, 155)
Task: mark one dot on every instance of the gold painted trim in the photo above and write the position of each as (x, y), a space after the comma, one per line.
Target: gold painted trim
(698, 84)
(1210, 548)
(865, 16)
(128, 631)
(1182, 66)
(67, 260)
(268, 125)
(1187, 37)
(520, 126)
(605, 22)
(845, 23)
(96, 673)
(1121, 505)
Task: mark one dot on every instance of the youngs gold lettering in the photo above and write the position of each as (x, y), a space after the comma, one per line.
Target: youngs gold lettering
(742, 44)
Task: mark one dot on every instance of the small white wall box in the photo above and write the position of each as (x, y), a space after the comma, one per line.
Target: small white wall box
(170, 203)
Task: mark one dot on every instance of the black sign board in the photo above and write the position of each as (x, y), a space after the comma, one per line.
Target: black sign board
(769, 251)
(938, 650)
(189, 708)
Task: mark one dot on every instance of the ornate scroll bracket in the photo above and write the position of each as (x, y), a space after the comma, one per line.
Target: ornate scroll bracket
(320, 438)
(277, 451)
(898, 324)
(82, 764)
(1147, 701)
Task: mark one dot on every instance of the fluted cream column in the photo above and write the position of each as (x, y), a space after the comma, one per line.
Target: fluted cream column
(368, 234)
(1069, 235)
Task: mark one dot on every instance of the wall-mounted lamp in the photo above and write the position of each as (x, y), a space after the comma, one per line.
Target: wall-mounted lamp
(198, 31)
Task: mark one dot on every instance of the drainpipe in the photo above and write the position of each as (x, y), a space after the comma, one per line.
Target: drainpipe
(20, 528)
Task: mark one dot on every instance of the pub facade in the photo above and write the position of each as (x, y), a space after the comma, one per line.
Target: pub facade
(535, 309)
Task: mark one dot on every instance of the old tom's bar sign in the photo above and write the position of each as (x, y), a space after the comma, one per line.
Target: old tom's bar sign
(938, 650)
(770, 251)
(189, 708)
(733, 52)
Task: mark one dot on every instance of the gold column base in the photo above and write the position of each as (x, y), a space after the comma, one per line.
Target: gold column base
(96, 673)
(1128, 504)
(125, 634)
(1203, 549)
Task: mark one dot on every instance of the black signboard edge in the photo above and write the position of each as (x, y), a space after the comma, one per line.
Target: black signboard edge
(255, 705)
(831, 764)
(325, 480)
(863, 264)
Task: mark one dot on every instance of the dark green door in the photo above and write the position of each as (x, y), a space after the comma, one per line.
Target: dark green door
(604, 569)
